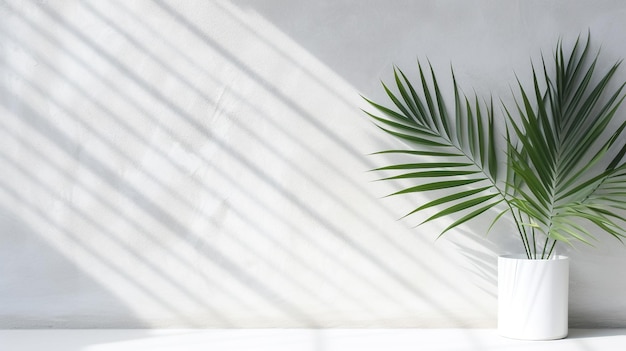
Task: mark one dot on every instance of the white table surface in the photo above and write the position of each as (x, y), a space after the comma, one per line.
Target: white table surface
(300, 340)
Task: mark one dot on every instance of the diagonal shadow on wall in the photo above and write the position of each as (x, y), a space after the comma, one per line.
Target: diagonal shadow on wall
(177, 230)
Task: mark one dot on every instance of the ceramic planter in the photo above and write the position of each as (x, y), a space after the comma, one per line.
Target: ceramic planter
(533, 297)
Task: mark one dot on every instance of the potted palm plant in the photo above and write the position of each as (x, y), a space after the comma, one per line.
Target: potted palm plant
(552, 162)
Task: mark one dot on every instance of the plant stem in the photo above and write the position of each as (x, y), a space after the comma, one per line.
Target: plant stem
(534, 244)
(545, 245)
(521, 231)
(551, 249)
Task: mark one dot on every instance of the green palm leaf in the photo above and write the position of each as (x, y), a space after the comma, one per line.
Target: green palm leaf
(425, 123)
(564, 134)
(564, 157)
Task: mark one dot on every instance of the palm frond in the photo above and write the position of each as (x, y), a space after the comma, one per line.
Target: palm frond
(563, 132)
(423, 121)
(565, 167)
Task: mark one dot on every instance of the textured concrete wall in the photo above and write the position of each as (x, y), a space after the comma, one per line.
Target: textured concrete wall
(204, 163)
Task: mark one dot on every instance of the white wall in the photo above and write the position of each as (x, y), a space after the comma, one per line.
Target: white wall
(205, 163)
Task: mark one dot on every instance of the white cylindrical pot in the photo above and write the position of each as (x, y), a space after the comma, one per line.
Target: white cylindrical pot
(533, 297)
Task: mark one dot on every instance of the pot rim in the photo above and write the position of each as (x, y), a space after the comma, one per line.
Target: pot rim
(523, 257)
